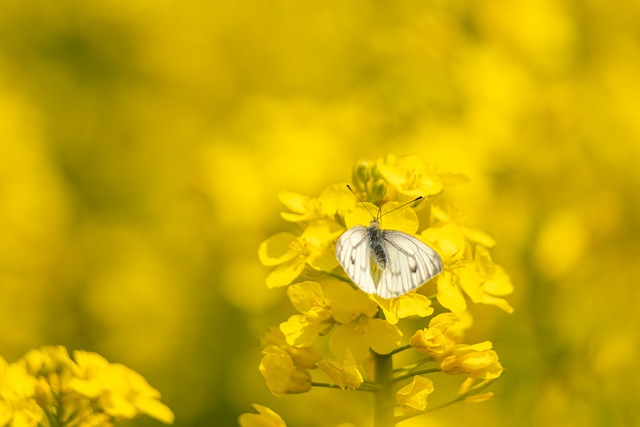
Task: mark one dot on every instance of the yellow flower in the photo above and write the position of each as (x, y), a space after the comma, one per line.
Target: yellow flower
(407, 305)
(47, 360)
(488, 281)
(289, 254)
(280, 373)
(18, 406)
(451, 215)
(413, 396)
(346, 303)
(306, 209)
(410, 177)
(302, 357)
(303, 329)
(53, 367)
(478, 277)
(476, 361)
(345, 373)
(436, 339)
(358, 330)
(117, 390)
(362, 334)
(264, 418)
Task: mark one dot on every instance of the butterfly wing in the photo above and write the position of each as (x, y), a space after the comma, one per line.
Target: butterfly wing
(353, 253)
(410, 263)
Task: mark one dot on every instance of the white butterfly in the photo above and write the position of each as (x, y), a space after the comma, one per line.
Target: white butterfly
(388, 263)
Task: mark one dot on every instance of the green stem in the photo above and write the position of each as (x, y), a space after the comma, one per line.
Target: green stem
(383, 411)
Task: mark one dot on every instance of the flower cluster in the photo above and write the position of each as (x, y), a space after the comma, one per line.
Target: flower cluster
(363, 330)
(46, 387)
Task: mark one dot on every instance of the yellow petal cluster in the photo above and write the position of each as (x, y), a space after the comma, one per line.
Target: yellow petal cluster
(362, 330)
(436, 340)
(413, 396)
(281, 374)
(85, 390)
(345, 374)
(469, 270)
(476, 361)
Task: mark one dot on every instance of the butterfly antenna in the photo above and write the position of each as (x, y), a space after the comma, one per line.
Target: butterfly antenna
(403, 205)
(360, 200)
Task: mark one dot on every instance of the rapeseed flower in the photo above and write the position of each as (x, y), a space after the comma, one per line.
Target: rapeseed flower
(345, 374)
(363, 332)
(281, 374)
(413, 396)
(86, 390)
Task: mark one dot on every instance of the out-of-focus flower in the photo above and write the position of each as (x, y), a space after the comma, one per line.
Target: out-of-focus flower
(18, 406)
(121, 392)
(84, 391)
(413, 396)
(289, 254)
(280, 373)
(264, 418)
(476, 361)
(345, 374)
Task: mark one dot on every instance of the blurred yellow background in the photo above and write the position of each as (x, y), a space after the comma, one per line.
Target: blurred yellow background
(142, 145)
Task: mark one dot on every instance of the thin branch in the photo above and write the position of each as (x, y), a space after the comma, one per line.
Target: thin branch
(399, 349)
(363, 387)
(412, 374)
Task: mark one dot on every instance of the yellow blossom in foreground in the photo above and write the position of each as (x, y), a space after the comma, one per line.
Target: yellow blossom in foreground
(18, 406)
(84, 391)
(345, 373)
(121, 392)
(281, 375)
(264, 418)
(413, 396)
(476, 361)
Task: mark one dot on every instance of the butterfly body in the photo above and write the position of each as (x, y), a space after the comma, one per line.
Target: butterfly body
(387, 263)
(374, 237)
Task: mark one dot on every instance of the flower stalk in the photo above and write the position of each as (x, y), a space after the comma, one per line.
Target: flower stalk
(383, 411)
